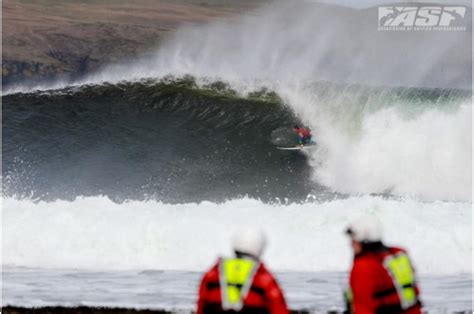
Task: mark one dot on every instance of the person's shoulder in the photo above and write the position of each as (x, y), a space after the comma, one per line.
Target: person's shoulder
(265, 280)
(263, 276)
(366, 260)
(213, 272)
(396, 250)
(366, 267)
(262, 268)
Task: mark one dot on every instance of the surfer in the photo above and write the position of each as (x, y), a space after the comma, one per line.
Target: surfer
(304, 135)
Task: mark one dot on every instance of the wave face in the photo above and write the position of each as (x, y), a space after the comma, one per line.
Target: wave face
(168, 142)
(174, 141)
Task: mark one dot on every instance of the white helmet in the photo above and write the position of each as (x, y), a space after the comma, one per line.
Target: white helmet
(366, 228)
(249, 241)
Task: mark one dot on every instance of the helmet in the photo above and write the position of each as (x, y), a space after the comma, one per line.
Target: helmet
(365, 229)
(249, 241)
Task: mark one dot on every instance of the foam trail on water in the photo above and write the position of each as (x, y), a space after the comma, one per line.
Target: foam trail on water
(95, 233)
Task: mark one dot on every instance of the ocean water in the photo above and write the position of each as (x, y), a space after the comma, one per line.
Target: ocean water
(123, 187)
(317, 292)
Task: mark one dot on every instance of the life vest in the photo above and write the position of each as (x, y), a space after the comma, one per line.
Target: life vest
(398, 266)
(387, 274)
(242, 283)
(236, 276)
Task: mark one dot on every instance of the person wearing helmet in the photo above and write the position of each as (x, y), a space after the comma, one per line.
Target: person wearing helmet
(304, 135)
(242, 283)
(382, 278)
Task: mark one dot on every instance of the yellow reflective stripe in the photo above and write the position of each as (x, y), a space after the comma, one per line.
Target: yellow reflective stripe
(348, 296)
(409, 296)
(349, 300)
(400, 267)
(236, 278)
(401, 271)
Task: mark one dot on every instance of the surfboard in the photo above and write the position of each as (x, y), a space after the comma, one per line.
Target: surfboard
(296, 147)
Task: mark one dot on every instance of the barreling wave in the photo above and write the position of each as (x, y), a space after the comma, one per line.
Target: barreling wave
(182, 140)
(167, 140)
(210, 139)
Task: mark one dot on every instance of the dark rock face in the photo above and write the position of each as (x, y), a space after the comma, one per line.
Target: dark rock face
(24, 71)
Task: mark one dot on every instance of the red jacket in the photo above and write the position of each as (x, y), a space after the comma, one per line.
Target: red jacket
(265, 296)
(372, 286)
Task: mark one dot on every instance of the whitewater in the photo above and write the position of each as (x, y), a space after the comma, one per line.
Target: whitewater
(394, 140)
(95, 233)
